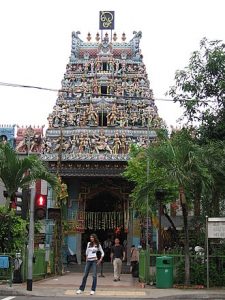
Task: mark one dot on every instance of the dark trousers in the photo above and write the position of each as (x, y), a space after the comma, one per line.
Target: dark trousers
(89, 264)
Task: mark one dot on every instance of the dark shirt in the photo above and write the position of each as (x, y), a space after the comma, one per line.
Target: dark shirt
(117, 251)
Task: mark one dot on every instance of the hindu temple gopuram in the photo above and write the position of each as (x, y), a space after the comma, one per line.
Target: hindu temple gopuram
(105, 105)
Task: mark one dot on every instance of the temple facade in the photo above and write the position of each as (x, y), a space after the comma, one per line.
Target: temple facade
(105, 105)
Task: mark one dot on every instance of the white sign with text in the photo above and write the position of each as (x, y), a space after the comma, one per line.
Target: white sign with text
(216, 228)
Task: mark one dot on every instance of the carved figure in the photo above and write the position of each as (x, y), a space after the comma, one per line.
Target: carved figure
(124, 146)
(81, 143)
(116, 144)
(92, 116)
(102, 143)
(25, 143)
(46, 146)
(21, 146)
(92, 66)
(112, 116)
(35, 143)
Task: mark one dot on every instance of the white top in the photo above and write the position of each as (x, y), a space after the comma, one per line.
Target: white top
(91, 252)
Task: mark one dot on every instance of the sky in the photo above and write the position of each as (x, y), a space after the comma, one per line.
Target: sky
(35, 39)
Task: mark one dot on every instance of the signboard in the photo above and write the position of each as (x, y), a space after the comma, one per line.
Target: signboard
(106, 20)
(216, 228)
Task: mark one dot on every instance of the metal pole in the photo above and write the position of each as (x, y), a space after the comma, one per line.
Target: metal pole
(160, 228)
(31, 242)
(147, 200)
(147, 252)
(207, 252)
(101, 267)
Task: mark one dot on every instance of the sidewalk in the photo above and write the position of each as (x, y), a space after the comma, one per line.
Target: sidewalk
(128, 287)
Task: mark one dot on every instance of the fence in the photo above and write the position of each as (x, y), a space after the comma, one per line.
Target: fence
(41, 264)
(198, 269)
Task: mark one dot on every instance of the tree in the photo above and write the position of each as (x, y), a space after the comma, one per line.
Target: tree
(213, 195)
(12, 233)
(16, 172)
(146, 184)
(178, 162)
(200, 89)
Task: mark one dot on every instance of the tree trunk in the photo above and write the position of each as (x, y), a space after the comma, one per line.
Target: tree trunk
(186, 233)
(7, 203)
(215, 204)
(197, 203)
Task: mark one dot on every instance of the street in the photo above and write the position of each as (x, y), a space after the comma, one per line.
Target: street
(62, 287)
(186, 297)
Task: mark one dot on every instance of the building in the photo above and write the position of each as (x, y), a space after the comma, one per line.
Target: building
(7, 134)
(105, 105)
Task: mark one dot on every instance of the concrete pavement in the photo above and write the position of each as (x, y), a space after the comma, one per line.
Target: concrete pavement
(128, 287)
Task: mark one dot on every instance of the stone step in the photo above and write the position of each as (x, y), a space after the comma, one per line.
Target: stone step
(107, 268)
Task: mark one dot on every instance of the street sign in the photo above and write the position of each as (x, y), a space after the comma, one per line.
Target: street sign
(216, 228)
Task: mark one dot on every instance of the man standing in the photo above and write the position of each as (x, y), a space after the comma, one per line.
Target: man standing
(117, 256)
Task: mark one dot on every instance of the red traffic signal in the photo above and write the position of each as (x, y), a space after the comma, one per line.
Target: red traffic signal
(41, 200)
(40, 206)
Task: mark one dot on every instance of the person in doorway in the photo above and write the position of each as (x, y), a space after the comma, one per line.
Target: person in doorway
(117, 257)
(134, 259)
(91, 262)
(107, 248)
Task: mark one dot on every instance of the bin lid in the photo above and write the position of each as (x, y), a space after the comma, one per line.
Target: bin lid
(164, 261)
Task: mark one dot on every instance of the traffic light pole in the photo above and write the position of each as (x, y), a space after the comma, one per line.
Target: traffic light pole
(31, 242)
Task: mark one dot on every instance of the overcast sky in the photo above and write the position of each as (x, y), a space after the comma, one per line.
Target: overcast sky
(35, 39)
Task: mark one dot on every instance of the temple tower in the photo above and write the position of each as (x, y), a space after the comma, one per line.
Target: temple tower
(105, 105)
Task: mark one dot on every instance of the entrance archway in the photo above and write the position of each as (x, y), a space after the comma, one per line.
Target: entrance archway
(104, 216)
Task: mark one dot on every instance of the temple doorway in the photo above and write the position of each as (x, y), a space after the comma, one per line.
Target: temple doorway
(104, 216)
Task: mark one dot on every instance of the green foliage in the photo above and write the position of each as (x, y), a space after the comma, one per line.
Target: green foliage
(197, 271)
(18, 172)
(198, 268)
(146, 177)
(200, 89)
(13, 231)
(173, 162)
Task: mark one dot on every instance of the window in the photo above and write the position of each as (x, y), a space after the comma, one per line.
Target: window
(104, 66)
(103, 90)
(102, 119)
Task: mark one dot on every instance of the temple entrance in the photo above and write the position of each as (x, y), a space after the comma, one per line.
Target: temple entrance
(104, 216)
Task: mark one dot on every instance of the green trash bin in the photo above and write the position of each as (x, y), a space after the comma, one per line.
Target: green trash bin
(164, 272)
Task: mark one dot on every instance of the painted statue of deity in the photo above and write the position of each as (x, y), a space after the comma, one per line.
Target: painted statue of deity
(116, 144)
(112, 116)
(102, 143)
(92, 116)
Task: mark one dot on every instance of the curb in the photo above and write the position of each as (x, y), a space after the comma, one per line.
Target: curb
(202, 296)
(15, 293)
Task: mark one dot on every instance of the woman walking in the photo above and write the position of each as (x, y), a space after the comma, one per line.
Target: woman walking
(91, 262)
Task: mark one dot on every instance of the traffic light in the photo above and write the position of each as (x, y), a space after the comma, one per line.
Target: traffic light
(40, 206)
(22, 200)
(19, 201)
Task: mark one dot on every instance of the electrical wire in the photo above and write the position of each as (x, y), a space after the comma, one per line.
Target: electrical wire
(27, 86)
(126, 97)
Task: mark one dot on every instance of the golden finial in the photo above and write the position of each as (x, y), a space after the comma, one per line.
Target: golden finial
(88, 36)
(97, 37)
(123, 37)
(114, 37)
